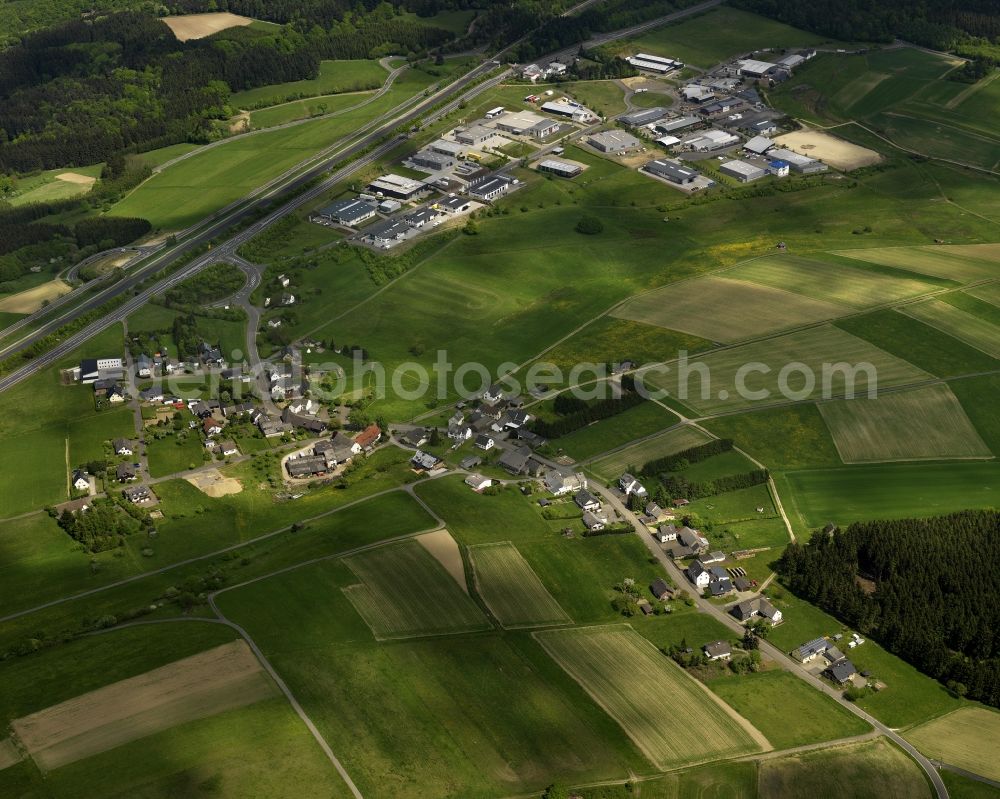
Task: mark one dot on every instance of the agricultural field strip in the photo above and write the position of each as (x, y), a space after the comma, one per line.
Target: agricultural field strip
(405, 592)
(511, 589)
(965, 738)
(924, 424)
(636, 453)
(650, 696)
(975, 332)
(201, 685)
(988, 292)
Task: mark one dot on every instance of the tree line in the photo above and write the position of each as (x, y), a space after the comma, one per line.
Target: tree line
(586, 414)
(684, 458)
(936, 595)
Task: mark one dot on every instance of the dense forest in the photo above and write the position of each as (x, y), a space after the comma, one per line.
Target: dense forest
(969, 27)
(84, 91)
(936, 592)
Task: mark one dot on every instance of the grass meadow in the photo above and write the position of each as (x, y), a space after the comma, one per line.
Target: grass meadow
(511, 590)
(975, 331)
(795, 437)
(960, 263)
(964, 738)
(926, 423)
(637, 422)
(334, 77)
(648, 694)
(405, 592)
(638, 454)
(47, 187)
(769, 699)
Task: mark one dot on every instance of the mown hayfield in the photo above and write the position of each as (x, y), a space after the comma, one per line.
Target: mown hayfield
(726, 310)
(887, 491)
(56, 184)
(640, 453)
(923, 424)
(511, 590)
(305, 108)
(976, 331)
(966, 738)
(768, 699)
(405, 592)
(830, 280)
(763, 364)
(642, 420)
(649, 696)
(963, 263)
(870, 770)
(334, 77)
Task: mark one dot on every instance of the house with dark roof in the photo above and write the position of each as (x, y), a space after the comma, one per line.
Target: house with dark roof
(137, 494)
(424, 461)
(121, 446)
(125, 472)
(586, 501)
(416, 437)
(718, 650)
(307, 466)
(841, 672)
(81, 480)
(811, 650)
(756, 607)
(593, 522)
(661, 590)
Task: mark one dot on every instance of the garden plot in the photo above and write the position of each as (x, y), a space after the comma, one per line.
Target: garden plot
(651, 697)
(926, 423)
(977, 332)
(855, 287)
(511, 589)
(726, 310)
(405, 592)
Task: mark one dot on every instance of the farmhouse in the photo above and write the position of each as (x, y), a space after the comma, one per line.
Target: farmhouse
(647, 116)
(614, 141)
(346, 212)
(369, 437)
(560, 168)
(752, 68)
(121, 446)
(306, 466)
(93, 369)
(435, 162)
(711, 140)
(799, 163)
(519, 461)
(396, 186)
(137, 494)
(718, 650)
(80, 480)
(742, 171)
(387, 232)
(563, 480)
(586, 501)
(811, 650)
(490, 187)
(672, 171)
(415, 438)
(653, 63)
(756, 606)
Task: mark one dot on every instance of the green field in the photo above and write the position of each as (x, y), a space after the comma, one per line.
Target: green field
(511, 590)
(648, 694)
(834, 281)
(795, 437)
(716, 387)
(962, 263)
(870, 770)
(967, 788)
(175, 452)
(642, 420)
(405, 592)
(722, 33)
(603, 97)
(922, 424)
(306, 108)
(334, 77)
(973, 330)
(975, 394)
(891, 491)
(47, 187)
(726, 310)
(637, 455)
(963, 738)
(787, 710)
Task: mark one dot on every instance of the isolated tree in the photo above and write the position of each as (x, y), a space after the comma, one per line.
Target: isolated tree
(589, 226)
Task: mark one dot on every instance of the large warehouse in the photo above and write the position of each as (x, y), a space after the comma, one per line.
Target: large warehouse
(396, 186)
(672, 171)
(614, 141)
(742, 171)
(653, 63)
(636, 119)
(799, 163)
(755, 69)
(671, 125)
(711, 140)
(560, 168)
(346, 212)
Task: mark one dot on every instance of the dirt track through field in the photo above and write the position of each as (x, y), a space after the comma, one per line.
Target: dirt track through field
(198, 26)
(829, 149)
(226, 677)
(445, 550)
(31, 300)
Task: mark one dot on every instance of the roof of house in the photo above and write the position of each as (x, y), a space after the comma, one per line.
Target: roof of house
(424, 460)
(814, 647)
(842, 671)
(515, 459)
(369, 435)
(592, 520)
(718, 649)
(120, 444)
(659, 587)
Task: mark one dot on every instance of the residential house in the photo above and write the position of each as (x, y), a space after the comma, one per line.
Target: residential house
(666, 533)
(629, 485)
(516, 461)
(227, 448)
(841, 672)
(563, 480)
(121, 446)
(137, 494)
(306, 422)
(811, 650)
(756, 607)
(151, 394)
(369, 437)
(210, 427)
(80, 480)
(144, 366)
(485, 442)
(424, 461)
(209, 355)
(459, 431)
(516, 419)
(477, 482)
(125, 472)
(416, 437)
(718, 650)
(586, 501)
(593, 522)
(661, 590)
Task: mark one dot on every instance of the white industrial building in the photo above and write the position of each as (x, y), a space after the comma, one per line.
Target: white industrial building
(396, 186)
(799, 163)
(742, 171)
(614, 141)
(694, 93)
(653, 63)
(445, 147)
(709, 140)
(753, 68)
(569, 109)
(474, 135)
(563, 169)
(671, 125)
(759, 145)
